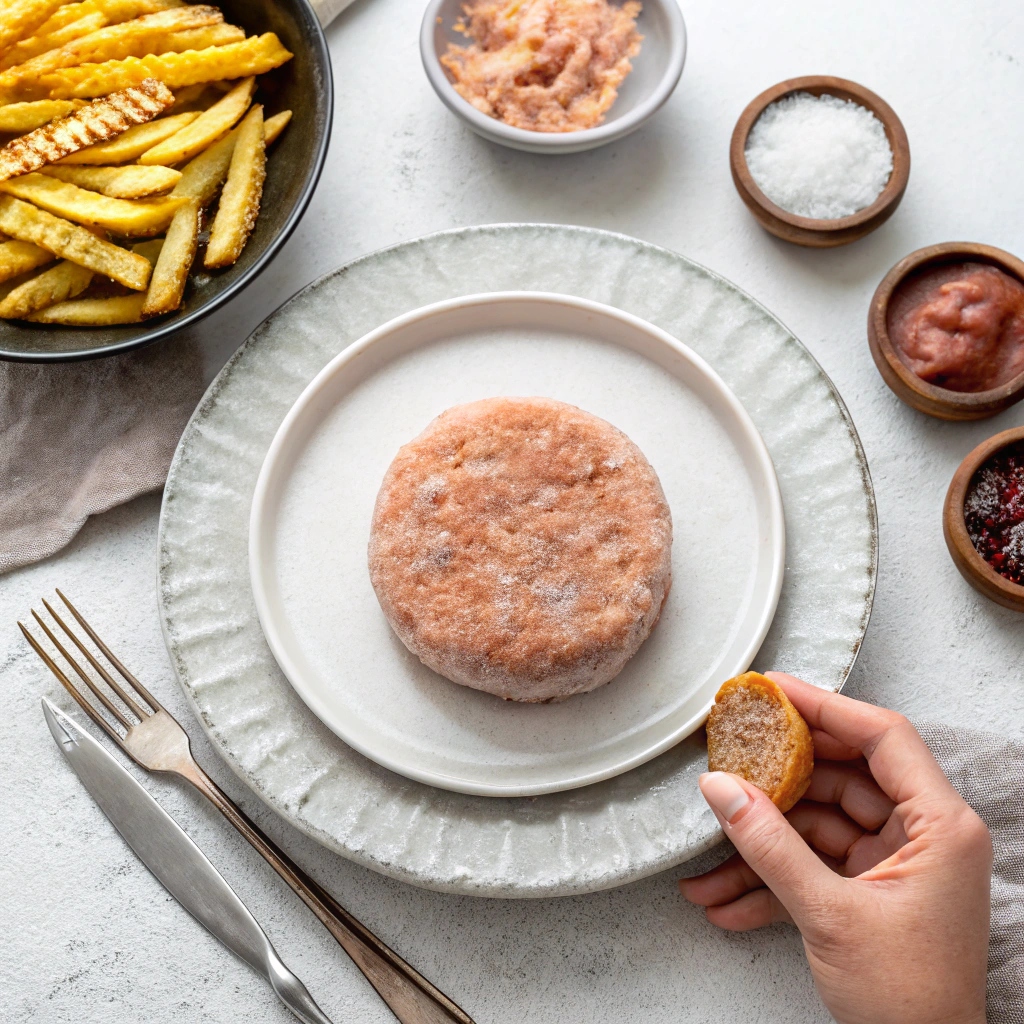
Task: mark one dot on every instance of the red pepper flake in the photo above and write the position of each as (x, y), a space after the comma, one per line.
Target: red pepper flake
(994, 512)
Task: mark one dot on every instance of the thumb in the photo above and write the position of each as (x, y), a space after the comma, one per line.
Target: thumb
(770, 845)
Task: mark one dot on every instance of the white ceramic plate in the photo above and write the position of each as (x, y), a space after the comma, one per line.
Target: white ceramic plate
(314, 500)
(581, 840)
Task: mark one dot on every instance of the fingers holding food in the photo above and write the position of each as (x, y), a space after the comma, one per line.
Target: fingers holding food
(899, 760)
(723, 884)
(834, 782)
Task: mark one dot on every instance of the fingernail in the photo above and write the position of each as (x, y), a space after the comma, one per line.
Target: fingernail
(724, 794)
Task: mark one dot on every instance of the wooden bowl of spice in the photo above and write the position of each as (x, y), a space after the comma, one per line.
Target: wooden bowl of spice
(983, 518)
(820, 161)
(946, 330)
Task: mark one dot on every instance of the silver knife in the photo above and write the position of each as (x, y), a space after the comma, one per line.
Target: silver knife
(176, 861)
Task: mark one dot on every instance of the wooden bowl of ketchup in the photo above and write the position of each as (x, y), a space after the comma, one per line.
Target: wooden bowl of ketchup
(946, 330)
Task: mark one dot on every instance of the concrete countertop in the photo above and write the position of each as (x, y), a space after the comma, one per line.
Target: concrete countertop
(90, 936)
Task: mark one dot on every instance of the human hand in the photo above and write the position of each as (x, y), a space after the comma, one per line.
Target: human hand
(892, 901)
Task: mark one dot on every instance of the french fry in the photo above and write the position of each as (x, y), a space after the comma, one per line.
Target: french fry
(131, 144)
(167, 285)
(200, 38)
(273, 126)
(92, 123)
(185, 99)
(64, 281)
(133, 38)
(131, 182)
(253, 56)
(114, 11)
(21, 18)
(66, 14)
(151, 249)
(25, 117)
(124, 309)
(121, 216)
(240, 200)
(205, 129)
(202, 176)
(71, 242)
(43, 42)
(20, 257)
(123, 10)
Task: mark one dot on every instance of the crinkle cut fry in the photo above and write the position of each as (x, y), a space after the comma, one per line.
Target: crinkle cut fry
(22, 17)
(114, 42)
(94, 123)
(253, 56)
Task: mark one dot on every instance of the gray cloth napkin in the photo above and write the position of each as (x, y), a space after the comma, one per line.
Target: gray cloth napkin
(80, 438)
(988, 772)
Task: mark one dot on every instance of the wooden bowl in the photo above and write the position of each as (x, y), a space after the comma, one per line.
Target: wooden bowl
(821, 234)
(918, 393)
(965, 556)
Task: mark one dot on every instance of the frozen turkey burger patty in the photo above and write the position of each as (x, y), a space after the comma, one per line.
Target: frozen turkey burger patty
(521, 546)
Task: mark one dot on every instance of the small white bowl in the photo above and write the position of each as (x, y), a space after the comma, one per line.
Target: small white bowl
(655, 74)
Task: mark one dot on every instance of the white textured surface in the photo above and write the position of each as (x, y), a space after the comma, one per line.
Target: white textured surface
(90, 937)
(315, 502)
(614, 831)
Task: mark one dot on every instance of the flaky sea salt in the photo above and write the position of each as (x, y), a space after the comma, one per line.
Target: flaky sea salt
(819, 156)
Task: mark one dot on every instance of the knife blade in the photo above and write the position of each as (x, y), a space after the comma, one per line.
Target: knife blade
(176, 861)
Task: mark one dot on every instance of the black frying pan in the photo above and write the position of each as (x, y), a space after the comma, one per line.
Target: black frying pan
(304, 86)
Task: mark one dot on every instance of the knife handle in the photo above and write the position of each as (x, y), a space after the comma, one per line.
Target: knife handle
(412, 998)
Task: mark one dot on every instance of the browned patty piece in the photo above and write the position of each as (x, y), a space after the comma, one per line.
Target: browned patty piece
(755, 732)
(522, 547)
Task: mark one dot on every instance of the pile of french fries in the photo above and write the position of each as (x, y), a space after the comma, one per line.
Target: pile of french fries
(135, 131)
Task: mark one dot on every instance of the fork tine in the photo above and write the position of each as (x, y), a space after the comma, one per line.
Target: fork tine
(110, 656)
(107, 677)
(71, 688)
(99, 694)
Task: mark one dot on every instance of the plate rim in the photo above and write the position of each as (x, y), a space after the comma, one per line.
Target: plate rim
(379, 859)
(273, 474)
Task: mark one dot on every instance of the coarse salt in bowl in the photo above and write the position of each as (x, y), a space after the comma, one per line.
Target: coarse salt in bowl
(819, 156)
(820, 161)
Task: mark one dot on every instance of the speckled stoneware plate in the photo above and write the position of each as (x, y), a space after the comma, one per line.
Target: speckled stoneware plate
(603, 835)
(314, 500)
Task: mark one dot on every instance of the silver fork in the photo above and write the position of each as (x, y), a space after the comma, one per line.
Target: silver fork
(158, 743)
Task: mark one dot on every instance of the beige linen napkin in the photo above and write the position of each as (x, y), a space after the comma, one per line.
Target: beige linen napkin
(988, 772)
(80, 438)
